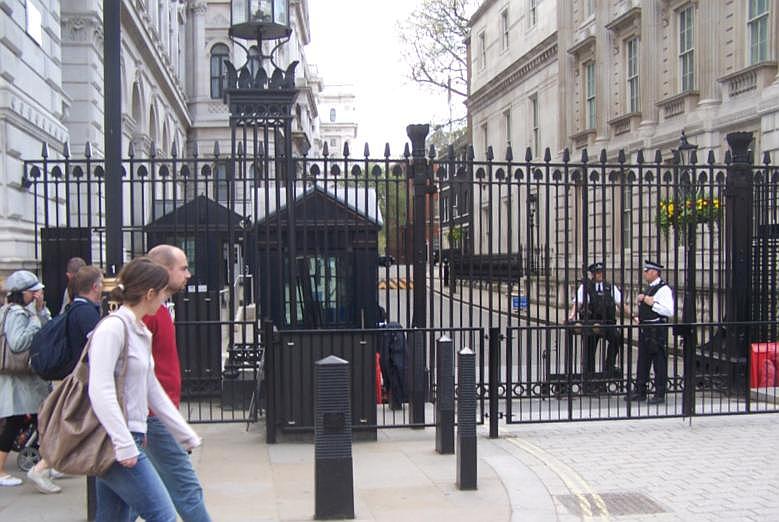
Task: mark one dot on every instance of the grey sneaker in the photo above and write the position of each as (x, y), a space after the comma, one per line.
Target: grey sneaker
(7, 481)
(42, 481)
(54, 474)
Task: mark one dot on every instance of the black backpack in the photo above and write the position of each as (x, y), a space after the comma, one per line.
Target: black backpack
(50, 354)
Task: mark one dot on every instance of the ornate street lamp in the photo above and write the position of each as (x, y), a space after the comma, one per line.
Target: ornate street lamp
(259, 19)
(685, 159)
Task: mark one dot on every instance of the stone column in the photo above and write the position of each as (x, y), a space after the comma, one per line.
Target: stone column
(707, 52)
(649, 75)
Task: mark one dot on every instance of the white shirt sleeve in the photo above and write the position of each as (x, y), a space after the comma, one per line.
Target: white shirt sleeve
(617, 294)
(163, 408)
(107, 343)
(664, 302)
(579, 298)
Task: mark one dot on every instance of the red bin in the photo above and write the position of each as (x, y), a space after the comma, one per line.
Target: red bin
(763, 361)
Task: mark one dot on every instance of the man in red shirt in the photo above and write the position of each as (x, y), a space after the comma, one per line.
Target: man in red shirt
(170, 459)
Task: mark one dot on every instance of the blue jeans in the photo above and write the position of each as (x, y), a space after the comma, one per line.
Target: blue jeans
(140, 488)
(175, 469)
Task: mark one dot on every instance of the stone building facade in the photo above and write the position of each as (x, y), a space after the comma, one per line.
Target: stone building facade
(618, 74)
(51, 89)
(338, 124)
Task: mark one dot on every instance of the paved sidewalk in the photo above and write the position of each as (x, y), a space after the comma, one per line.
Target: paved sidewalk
(718, 468)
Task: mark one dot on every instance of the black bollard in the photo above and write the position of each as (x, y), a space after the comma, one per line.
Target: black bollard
(334, 481)
(444, 405)
(91, 499)
(466, 419)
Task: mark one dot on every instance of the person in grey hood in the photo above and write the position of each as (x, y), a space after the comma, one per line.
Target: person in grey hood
(21, 394)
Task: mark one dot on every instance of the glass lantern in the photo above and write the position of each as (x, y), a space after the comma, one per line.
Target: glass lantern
(259, 19)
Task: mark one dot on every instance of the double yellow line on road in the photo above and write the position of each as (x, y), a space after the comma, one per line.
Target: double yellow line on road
(572, 480)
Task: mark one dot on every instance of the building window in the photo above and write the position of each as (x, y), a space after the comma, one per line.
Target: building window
(333, 143)
(589, 7)
(34, 27)
(504, 29)
(219, 54)
(632, 75)
(482, 50)
(758, 31)
(627, 218)
(686, 49)
(221, 183)
(507, 125)
(534, 116)
(532, 15)
(466, 209)
(484, 137)
(589, 70)
(253, 60)
(332, 115)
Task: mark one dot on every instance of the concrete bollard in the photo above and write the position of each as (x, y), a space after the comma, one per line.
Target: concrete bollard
(466, 419)
(334, 480)
(444, 405)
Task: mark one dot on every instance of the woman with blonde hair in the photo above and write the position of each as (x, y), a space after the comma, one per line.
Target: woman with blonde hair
(132, 482)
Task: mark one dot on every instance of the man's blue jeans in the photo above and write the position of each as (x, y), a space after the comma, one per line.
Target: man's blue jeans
(175, 469)
(138, 488)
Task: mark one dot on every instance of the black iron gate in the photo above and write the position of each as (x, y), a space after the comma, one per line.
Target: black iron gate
(497, 252)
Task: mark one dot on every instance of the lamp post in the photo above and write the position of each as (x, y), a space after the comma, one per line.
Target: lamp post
(685, 158)
(532, 202)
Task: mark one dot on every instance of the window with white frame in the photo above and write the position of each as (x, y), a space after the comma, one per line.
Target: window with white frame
(589, 78)
(686, 48)
(627, 217)
(534, 118)
(532, 14)
(485, 136)
(482, 50)
(589, 7)
(34, 22)
(507, 125)
(504, 29)
(757, 24)
(632, 75)
(220, 53)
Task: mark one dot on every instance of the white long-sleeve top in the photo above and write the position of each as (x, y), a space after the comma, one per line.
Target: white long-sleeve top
(664, 299)
(142, 390)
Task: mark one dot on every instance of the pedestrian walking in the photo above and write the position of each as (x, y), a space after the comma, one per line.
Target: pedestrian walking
(132, 482)
(655, 308)
(21, 394)
(169, 458)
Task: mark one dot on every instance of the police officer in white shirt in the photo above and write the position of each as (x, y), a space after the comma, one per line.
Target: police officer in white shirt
(597, 301)
(655, 309)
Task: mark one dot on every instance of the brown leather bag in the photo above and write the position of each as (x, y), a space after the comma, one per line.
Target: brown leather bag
(12, 363)
(72, 440)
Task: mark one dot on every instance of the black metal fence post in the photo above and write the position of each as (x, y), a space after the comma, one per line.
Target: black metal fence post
(494, 338)
(416, 376)
(466, 419)
(270, 381)
(334, 479)
(419, 174)
(739, 199)
(444, 427)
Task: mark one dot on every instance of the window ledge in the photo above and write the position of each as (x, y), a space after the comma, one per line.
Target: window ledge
(625, 123)
(583, 138)
(749, 78)
(679, 103)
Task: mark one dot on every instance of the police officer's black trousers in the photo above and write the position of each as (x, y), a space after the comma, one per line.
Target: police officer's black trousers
(611, 335)
(652, 351)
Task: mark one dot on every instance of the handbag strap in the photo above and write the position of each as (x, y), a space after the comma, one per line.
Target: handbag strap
(82, 367)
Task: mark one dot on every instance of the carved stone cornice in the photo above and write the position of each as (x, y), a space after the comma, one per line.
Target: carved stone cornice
(529, 63)
(82, 29)
(198, 8)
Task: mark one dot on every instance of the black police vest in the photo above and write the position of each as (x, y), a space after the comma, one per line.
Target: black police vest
(600, 305)
(645, 312)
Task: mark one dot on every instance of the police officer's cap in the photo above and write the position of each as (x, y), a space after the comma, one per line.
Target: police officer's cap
(598, 266)
(651, 265)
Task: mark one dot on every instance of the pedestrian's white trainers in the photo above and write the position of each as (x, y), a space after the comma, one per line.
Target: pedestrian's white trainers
(54, 474)
(8, 481)
(42, 481)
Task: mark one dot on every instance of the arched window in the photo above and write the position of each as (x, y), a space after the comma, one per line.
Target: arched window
(332, 115)
(253, 60)
(219, 53)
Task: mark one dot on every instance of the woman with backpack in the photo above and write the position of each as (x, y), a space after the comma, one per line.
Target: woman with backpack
(132, 481)
(21, 394)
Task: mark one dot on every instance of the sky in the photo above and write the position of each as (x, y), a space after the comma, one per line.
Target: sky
(356, 42)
